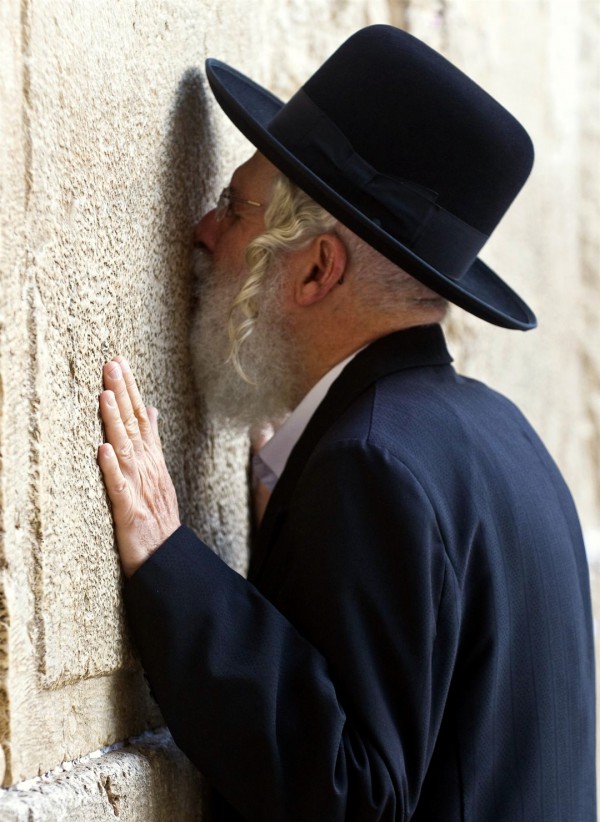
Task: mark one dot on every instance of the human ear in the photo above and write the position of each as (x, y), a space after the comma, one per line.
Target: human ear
(324, 266)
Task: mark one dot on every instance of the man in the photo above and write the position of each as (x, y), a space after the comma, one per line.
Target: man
(414, 640)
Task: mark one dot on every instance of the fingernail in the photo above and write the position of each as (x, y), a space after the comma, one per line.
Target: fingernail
(110, 398)
(114, 370)
(124, 366)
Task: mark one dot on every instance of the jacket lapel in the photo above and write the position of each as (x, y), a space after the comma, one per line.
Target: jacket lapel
(411, 348)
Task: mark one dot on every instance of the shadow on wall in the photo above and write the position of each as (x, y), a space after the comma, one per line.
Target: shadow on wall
(191, 148)
(187, 156)
(190, 166)
(212, 487)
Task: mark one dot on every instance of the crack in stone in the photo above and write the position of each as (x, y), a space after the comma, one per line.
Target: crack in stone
(34, 475)
(26, 107)
(113, 796)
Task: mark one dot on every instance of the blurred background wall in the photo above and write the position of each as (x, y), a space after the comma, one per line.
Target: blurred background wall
(110, 147)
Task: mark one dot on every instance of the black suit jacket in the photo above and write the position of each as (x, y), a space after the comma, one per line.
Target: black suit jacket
(415, 640)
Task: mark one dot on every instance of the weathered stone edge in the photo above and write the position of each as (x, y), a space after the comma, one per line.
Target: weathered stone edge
(149, 778)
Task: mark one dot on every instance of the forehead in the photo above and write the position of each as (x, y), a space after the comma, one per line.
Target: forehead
(254, 178)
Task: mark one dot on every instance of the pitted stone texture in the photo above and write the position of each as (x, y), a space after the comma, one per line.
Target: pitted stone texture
(14, 404)
(150, 781)
(115, 170)
(109, 156)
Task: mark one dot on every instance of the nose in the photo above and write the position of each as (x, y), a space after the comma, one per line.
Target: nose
(206, 230)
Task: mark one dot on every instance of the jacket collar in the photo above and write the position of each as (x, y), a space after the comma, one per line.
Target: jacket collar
(411, 348)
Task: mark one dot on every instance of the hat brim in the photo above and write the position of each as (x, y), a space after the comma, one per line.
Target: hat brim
(480, 291)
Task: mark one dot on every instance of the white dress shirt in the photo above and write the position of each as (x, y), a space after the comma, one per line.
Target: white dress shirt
(269, 462)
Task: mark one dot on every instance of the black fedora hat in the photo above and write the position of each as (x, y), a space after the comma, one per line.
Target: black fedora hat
(404, 149)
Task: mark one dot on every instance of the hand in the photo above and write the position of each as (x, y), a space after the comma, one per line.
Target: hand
(144, 503)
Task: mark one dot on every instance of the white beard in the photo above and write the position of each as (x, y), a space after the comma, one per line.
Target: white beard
(268, 356)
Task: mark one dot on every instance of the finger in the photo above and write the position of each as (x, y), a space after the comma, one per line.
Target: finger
(115, 431)
(116, 484)
(135, 398)
(114, 380)
(153, 420)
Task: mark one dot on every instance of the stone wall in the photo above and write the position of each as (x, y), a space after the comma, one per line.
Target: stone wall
(111, 146)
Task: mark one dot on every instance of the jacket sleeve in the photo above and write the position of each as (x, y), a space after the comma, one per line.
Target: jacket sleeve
(323, 701)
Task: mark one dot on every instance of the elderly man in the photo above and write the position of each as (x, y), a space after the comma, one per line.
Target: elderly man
(414, 638)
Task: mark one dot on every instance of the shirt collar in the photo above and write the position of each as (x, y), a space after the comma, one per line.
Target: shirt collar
(269, 462)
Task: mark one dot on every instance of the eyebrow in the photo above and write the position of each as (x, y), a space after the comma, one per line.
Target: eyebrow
(235, 193)
(235, 187)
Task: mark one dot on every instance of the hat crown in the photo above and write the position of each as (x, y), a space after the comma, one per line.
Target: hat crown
(413, 115)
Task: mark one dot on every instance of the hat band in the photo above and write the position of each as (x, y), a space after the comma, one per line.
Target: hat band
(403, 209)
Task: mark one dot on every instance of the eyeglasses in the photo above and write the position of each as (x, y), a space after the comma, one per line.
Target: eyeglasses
(226, 201)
